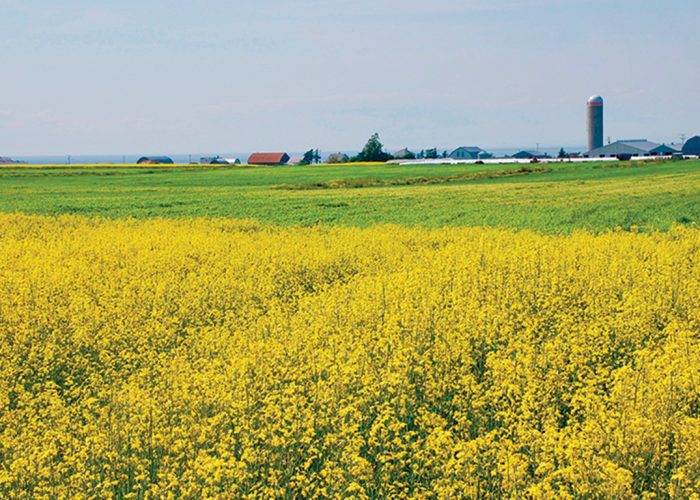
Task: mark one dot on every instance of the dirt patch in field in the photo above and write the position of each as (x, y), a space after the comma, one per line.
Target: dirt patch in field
(409, 181)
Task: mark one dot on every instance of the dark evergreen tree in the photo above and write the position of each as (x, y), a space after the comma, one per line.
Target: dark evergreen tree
(311, 156)
(373, 151)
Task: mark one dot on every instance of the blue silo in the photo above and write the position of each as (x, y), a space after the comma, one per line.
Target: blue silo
(595, 122)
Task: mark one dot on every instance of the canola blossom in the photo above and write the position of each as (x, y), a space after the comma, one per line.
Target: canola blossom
(214, 358)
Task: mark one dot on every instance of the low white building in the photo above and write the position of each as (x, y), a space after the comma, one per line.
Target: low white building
(632, 147)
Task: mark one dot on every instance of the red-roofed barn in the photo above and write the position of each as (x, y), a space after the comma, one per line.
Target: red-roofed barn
(268, 159)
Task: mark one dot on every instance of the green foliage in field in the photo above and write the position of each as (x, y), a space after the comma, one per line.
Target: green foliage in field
(551, 198)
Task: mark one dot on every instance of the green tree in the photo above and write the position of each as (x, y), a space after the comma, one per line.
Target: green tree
(311, 156)
(373, 151)
(431, 154)
(562, 154)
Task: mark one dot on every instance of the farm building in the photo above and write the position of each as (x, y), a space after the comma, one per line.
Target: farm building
(631, 147)
(404, 154)
(218, 160)
(268, 159)
(529, 155)
(337, 158)
(692, 146)
(155, 160)
(470, 153)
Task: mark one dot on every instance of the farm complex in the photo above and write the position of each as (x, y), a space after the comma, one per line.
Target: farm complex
(350, 250)
(366, 331)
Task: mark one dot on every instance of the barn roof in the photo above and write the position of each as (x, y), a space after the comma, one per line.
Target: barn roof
(155, 159)
(472, 151)
(524, 154)
(642, 144)
(635, 147)
(403, 154)
(664, 149)
(469, 149)
(692, 147)
(268, 158)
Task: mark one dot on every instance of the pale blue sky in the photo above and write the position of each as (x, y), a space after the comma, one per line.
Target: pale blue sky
(88, 77)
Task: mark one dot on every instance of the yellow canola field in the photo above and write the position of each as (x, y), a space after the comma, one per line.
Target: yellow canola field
(211, 358)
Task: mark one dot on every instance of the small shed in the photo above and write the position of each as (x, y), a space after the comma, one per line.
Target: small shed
(155, 160)
(268, 159)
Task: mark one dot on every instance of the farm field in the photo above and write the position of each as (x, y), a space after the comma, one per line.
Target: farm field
(202, 358)
(552, 198)
(364, 331)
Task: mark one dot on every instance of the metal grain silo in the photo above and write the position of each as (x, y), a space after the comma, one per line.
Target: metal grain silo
(595, 122)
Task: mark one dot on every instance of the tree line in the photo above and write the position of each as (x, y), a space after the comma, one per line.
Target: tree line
(373, 151)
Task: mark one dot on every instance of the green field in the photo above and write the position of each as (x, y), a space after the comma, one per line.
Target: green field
(550, 198)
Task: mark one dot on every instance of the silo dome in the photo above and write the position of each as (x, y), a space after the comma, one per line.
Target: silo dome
(595, 99)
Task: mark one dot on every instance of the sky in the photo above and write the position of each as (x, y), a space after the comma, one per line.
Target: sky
(159, 76)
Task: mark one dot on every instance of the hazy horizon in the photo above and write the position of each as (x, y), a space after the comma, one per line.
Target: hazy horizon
(86, 79)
